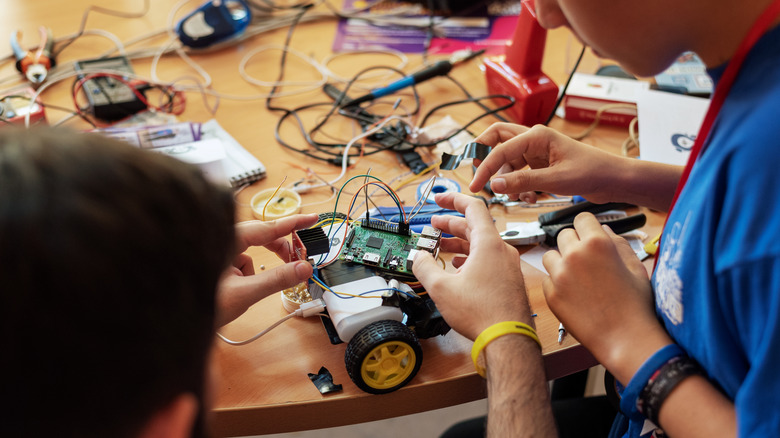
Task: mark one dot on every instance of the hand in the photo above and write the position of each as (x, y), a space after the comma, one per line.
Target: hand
(240, 287)
(601, 292)
(488, 285)
(558, 164)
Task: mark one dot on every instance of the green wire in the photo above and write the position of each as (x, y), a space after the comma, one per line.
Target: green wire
(338, 195)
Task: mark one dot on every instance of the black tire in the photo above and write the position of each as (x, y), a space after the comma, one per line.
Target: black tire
(383, 357)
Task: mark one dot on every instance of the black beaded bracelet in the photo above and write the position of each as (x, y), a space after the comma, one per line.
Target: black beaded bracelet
(661, 384)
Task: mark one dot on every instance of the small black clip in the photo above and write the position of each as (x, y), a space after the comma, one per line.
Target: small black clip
(324, 381)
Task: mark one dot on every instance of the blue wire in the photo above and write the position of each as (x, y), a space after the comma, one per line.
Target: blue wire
(351, 205)
(322, 283)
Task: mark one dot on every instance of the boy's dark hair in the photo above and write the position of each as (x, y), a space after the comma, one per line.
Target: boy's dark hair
(109, 261)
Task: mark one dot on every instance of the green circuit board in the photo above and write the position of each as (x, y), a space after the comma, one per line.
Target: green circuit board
(381, 249)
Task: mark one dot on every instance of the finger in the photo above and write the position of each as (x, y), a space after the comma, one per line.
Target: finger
(279, 278)
(513, 151)
(453, 225)
(259, 233)
(480, 226)
(427, 270)
(489, 166)
(238, 292)
(455, 246)
(567, 238)
(282, 248)
(548, 288)
(477, 215)
(526, 180)
(500, 132)
(458, 261)
(552, 262)
(587, 225)
(529, 197)
(243, 262)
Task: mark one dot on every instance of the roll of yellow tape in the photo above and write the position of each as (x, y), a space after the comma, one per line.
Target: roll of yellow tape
(284, 203)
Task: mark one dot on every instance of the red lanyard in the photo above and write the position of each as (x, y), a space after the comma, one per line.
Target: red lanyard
(722, 90)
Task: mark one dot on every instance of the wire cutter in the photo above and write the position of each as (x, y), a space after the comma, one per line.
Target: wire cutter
(549, 225)
(34, 66)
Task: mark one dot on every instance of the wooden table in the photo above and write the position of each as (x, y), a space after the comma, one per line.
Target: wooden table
(263, 387)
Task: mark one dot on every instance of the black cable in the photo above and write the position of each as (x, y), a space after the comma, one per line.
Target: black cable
(565, 87)
(336, 157)
(326, 149)
(472, 121)
(319, 147)
(271, 6)
(468, 95)
(429, 32)
(334, 106)
(345, 111)
(283, 61)
(168, 91)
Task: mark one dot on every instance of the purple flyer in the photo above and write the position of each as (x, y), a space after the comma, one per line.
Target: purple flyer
(404, 27)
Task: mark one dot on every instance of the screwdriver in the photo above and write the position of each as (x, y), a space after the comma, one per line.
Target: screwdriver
(440, 68)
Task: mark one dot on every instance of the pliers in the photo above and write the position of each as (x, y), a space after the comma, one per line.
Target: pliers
(549, 225)
(35, 66)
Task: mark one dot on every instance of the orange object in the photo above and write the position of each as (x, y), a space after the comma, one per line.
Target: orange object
(35, 66)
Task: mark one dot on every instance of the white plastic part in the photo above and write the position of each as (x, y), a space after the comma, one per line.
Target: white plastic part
(349, 314)
(525, 233)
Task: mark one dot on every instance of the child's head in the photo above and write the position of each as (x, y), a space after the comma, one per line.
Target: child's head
(645, 37)
(109, 262)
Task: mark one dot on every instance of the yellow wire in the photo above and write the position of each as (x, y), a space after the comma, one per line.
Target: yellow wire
(272, 196)
(326, 288)
(412, 177)
(328, 220)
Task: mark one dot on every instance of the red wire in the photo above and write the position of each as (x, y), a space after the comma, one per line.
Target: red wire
(174, 107)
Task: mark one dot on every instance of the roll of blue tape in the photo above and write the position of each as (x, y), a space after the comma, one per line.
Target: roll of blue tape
(441, 185)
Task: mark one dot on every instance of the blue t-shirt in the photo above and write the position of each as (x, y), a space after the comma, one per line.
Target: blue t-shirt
(717, 283)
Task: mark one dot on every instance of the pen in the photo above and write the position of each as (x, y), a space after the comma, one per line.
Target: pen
(561, 332)
(440, 68)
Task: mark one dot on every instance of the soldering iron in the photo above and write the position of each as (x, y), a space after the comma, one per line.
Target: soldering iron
(440, 68)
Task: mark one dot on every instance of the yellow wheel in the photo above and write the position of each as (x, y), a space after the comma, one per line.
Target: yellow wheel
(388, 365)
(383, 357)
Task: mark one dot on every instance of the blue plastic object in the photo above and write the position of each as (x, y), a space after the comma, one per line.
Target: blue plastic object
(214, 22)
(420, 220)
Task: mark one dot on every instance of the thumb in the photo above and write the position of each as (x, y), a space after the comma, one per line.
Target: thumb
(425, 268)
(238, 292)
(281, 277)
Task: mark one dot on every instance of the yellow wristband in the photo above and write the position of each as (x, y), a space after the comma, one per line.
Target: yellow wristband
(493, 332)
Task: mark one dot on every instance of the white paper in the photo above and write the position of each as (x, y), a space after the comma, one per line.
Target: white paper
(668, 125)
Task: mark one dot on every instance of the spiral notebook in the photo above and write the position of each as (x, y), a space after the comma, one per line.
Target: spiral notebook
(241, 167)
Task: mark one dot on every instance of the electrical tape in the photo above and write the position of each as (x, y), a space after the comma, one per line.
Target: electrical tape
(441, 185)
(471, 150)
